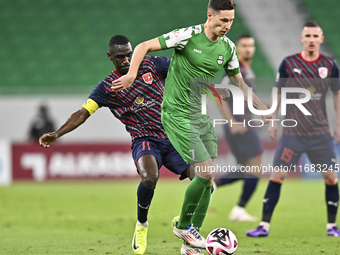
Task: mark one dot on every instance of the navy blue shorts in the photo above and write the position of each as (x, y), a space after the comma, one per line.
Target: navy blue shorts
(319, 149)
(162, 150)
(244, 146)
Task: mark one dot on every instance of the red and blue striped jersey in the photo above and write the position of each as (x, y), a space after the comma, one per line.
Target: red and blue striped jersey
(138, 107)
(316, 76)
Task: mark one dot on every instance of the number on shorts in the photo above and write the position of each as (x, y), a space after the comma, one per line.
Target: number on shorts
(287, 154)
(147, 144)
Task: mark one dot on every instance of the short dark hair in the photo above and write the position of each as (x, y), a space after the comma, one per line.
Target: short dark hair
(118, 40)
(312, 24)
(241, 36)
(219, 5)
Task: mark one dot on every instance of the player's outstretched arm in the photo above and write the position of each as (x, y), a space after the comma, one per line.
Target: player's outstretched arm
(139, 53)
(238, 81)
(336, 99)
(74, 121)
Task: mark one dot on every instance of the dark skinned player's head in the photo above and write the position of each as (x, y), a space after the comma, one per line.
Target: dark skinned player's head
(120, 52)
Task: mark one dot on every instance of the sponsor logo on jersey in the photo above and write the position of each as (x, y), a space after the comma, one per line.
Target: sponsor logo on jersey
(297, 70)
(142, 104)
(198, 29)
(311, 89)
(314, 95)
(139, 99)
(198, 51)
(323, 72)
(220, 60)
(147, 78)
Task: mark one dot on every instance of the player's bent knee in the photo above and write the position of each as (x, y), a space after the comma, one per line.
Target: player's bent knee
(148, 170)
(150, 180)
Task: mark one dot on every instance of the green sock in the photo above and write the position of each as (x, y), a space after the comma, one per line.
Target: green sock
(192, 197)
(202, 209)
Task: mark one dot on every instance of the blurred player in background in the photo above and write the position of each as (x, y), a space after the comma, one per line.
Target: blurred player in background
(244, 141)
(200, 52)
(41, 124)
(313, 71)
(139, 109)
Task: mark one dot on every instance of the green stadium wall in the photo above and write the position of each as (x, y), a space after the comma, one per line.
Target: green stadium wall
(59, 47)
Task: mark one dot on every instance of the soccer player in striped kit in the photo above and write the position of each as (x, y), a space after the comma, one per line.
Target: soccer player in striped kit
(138, 108)
(313, 71)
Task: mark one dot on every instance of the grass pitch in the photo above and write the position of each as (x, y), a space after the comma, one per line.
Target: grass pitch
(99, 217)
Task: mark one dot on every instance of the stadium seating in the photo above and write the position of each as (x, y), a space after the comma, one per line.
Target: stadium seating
(51, 47)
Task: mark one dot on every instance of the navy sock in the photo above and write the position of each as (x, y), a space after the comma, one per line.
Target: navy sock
(144, 197)
(229, 178)
(332, 200)
(249, 186)
(270, 200)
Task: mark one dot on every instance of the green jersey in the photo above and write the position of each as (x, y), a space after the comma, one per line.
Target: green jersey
(195, 57)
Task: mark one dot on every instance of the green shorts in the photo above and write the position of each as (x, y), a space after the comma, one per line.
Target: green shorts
(194, 139)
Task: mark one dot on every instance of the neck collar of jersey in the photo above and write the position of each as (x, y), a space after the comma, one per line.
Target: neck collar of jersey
(316, 60)
(116, 72)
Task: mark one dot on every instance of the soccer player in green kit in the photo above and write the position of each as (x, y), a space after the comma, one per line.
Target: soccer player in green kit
(200, 52)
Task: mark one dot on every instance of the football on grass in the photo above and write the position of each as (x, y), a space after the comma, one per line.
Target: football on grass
(221, 241)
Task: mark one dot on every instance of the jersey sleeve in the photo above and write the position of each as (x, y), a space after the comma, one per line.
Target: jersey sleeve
(335, 84)
(232, 67)
(91, 106)
(162, 66)
(281, 75)
(177, 38)
(96, 99)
